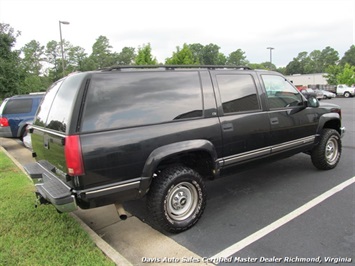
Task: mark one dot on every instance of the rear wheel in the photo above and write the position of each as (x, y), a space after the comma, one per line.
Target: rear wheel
(326, 154)
(177, 198)
(346, 94)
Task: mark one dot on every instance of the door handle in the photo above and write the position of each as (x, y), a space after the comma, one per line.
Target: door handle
(227, 127)
(274, 121)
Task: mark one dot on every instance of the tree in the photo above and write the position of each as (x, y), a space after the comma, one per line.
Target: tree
(237, 58)
(182, 56)
(33, 57)
(32, 63)
(11, 73)
(297, 65)
(210, 54)
(126, 56)
(347, 75)
(329, 57)
(75, 59)
(197, 52)
(349, 57)
(101, 53)
(144, 56)
(332, 73)
(53, 58)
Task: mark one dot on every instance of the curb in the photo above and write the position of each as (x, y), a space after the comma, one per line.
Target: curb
(110, 252)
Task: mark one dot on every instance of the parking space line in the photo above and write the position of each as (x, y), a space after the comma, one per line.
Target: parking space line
(280, 222)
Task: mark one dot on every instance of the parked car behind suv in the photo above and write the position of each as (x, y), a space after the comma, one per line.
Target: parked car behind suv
(16, 113)
(163, 131)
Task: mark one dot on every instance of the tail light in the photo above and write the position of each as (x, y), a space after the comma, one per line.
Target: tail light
(73, 155)
(4, 122)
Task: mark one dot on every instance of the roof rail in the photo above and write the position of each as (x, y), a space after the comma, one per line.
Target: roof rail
(172, 67)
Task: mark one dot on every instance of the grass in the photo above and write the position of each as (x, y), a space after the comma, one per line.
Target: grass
(41, 236)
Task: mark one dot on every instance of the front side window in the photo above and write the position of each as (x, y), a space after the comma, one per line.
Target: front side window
(238, 93)
(18, 106)
(280, 93)
(133, 99)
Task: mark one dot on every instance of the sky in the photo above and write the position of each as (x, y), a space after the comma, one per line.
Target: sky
(289, 26)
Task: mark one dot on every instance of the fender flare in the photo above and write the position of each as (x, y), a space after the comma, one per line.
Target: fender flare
(324, 119)
(159, 154)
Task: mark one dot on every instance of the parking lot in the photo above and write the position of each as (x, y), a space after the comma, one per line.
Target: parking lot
(275, 213)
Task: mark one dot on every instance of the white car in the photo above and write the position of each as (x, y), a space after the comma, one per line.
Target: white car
(328, 94)
(345, 90)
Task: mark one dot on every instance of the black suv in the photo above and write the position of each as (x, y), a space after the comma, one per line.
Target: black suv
(118, 134)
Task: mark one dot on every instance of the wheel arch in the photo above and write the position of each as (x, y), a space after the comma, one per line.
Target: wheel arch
(330, 120)
(186, 153)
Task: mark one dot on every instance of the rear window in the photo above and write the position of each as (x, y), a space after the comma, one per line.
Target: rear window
(18, 106)
(56, 108)
(132, 99)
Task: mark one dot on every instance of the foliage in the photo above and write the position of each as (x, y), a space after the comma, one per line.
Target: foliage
(347, 75)
(349, 57)
(237, 58)
(332, 73)
(182, 56)
(316, 62)
(338, 74)
(144, 56)
(41, 236)
(126, 56)
(11, 73)
(101, 53)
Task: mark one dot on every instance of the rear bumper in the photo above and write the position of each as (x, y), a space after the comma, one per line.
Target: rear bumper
(5, 132)
(67, 199)
(51, 188)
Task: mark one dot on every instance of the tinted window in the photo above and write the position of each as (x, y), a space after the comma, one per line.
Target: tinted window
(18, 106)
(132, 99)
(61, 110)
(43, 109)
(280, 93)
(238, 93)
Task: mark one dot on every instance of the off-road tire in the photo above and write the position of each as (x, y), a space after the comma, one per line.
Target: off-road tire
(326, 154)
(177, 198)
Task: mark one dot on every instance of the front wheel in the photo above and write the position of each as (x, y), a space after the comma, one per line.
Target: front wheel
(346, 94)
(177, 198)
(326, 154)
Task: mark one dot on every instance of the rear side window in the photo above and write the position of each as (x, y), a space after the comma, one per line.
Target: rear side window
(132, 99)
(18, 106)
(238, 93)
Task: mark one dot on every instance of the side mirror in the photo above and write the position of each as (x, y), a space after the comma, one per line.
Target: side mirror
(312, 102)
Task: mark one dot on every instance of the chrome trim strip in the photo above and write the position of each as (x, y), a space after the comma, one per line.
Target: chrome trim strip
(264, 151)
(49, 131)
(291, 144)
(134, 184)
(246, 155)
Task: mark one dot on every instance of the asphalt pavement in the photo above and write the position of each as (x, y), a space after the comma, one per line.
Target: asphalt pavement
(268, 214)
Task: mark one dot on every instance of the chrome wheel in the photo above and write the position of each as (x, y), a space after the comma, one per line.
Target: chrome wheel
(332, 150)
(181, 201)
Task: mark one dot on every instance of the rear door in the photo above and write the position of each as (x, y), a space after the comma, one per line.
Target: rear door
(245, 127)
(52, 123)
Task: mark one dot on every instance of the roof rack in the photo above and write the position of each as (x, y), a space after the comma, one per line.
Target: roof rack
(172, 67)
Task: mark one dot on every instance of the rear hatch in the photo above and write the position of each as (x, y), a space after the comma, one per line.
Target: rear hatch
(53, 124)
